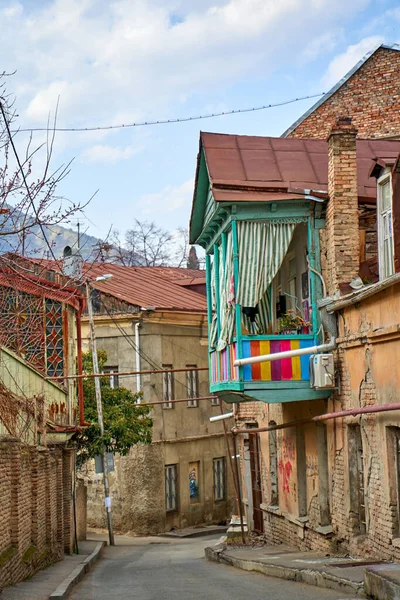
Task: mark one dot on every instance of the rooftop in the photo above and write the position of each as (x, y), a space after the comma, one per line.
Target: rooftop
(249, 168)
(338, 85)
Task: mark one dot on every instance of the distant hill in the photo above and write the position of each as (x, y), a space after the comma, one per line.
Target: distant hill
(58, 237)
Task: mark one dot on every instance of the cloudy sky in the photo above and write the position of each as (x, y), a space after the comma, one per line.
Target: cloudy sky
(136, 60)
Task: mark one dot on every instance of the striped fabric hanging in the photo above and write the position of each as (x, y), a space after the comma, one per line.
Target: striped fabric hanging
(227, 295)
(262, 248)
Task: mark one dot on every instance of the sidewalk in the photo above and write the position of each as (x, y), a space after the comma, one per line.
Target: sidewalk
(342, 574)
(55, 581)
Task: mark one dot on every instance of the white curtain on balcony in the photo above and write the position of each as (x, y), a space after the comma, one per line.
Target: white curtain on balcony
(214, 325)
(262, 248)
(227, 294)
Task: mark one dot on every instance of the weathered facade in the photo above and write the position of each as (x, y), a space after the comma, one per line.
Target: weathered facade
(182, 478)
(331, 484)
(38, 416)
(369, 93)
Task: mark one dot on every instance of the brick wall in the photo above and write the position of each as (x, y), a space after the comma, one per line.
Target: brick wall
(371, 97)
(342, 218)
(35, 508)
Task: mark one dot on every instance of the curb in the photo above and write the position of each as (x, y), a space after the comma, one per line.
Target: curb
(194, 534)
(63, 590)
(309, 576)
(380, 586)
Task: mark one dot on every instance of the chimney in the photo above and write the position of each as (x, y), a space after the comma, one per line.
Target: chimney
(342, 227)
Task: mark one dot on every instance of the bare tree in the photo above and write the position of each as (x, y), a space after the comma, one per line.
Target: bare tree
(29, 204)
(145, 244)
(148, 245)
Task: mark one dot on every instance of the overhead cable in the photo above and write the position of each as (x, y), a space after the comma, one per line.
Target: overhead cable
(170, 121)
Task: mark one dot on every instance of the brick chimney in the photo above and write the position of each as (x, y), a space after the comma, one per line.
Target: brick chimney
(342, 228)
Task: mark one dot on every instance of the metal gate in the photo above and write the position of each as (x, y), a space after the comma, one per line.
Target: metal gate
(254, 448)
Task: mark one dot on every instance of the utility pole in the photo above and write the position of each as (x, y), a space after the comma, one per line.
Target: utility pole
(107, 498)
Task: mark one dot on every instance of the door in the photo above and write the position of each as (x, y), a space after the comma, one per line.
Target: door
(255, 462)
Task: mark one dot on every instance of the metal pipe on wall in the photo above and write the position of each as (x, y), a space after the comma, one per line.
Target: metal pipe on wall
(137, 345)
(288, 354)
(351, 412)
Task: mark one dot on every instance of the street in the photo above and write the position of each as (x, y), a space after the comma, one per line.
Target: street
(154, 568)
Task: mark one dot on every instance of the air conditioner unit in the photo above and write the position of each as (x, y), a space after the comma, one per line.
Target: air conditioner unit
(322, 371)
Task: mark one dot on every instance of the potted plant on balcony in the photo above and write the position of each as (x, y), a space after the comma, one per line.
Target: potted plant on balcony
(292, 323)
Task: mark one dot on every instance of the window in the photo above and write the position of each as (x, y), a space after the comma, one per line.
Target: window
(171, 487)
(215, 402)
(114, 379)
(192, 384)
(168, 387)
(219, 479)
(356, 471)
(385, 227)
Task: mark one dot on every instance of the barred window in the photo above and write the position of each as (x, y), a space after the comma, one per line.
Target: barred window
(168, 387)
(54, 339)
(192, 384)
(171, 487)
(219, 479)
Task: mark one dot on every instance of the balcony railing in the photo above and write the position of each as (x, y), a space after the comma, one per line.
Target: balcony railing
(288, 369)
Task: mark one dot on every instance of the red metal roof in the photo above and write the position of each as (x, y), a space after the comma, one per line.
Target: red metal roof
(161, 287)
(148, 286)
(265, 168)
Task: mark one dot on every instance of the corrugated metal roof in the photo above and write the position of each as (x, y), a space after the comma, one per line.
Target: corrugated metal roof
(147, 286)
(159, 287)
(338, 85)
(246, 167)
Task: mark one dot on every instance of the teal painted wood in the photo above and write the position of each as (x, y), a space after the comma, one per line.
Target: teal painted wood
(277, 391)
(238, 319)
(209, 293)
(273, 397)
(212, 234)
(224, 247)
(217, 299)
(203, 184)
(209, 311)
(210, 208)
(316, 286)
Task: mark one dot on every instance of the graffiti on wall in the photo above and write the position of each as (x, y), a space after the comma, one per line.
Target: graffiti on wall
(285, 464)
(193, 480)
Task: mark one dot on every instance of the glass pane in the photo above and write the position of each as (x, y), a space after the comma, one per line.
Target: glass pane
(386, 196)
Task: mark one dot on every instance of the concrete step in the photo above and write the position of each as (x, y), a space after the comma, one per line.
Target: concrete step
(382, 582)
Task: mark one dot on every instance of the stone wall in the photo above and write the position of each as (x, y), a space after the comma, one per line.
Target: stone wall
(35, 508)
(370, 97)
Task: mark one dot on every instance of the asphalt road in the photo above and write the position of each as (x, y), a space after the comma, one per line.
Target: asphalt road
(169, 569)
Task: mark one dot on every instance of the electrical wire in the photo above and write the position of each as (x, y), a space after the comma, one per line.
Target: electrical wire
(170, 121)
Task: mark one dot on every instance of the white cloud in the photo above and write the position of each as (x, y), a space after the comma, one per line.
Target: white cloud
(137, 59)
(12, 10)
(342, 63)
(171, 198)
(106, 154)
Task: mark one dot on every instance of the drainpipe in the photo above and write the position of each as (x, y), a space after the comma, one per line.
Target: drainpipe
(329, 323)
(137, 345)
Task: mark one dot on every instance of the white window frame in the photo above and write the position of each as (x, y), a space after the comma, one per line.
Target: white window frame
(219, 478)
(168, 388)
(385, 270)
(171, 488)
(192, 384)
(215, 401)
(113, 371)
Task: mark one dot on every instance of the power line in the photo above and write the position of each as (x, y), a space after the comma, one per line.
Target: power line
(170, 121)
